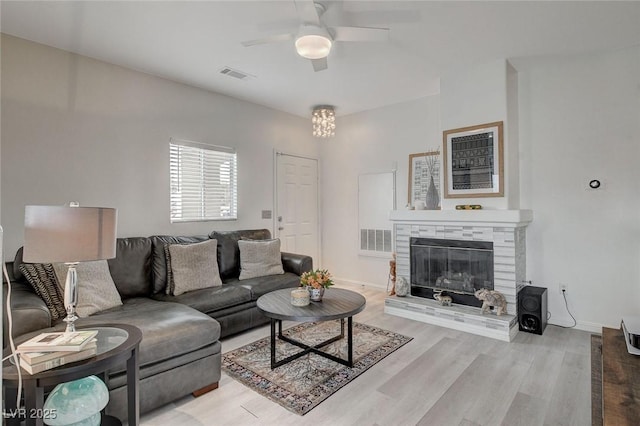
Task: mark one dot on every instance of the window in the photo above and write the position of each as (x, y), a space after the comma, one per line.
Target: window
(204, 182)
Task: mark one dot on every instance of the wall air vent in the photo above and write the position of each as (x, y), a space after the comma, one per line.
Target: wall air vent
(240, 75)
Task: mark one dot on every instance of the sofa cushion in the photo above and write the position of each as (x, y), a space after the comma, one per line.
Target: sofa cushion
(193, 266)
(168, 330)
(131, 268)
(212, 299)
(259, 258)
(228, 251)
(96, 289)
(159, 261)
(263, 285)
(42, 278)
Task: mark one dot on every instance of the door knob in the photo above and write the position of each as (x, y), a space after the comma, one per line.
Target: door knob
(280, 228)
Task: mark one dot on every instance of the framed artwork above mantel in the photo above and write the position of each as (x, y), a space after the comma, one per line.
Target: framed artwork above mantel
(474, 161)
(424, 180)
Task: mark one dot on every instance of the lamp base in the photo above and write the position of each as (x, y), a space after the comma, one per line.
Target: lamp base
(71, 296)
(70, 319)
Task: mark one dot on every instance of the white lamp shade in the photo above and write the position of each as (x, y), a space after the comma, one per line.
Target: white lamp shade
(69, 234)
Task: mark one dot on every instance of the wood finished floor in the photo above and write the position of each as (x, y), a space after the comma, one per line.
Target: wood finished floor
(442, 377)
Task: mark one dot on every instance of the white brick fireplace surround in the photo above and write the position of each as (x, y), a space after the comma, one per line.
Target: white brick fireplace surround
(505, 228)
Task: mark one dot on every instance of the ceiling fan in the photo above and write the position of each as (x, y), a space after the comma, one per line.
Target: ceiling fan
(314, 39)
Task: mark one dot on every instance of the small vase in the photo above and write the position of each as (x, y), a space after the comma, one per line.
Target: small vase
(315, 294)
(433, 199)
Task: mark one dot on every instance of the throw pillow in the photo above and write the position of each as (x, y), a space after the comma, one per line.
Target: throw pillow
(43, 279)
(170, 285)
(259, 258)
(96, 289)
(194, 266)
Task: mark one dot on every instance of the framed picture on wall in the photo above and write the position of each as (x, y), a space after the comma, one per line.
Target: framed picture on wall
(424, 180)
(473, 161)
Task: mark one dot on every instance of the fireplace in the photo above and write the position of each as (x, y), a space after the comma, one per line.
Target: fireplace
(456, 268)
(503, 232)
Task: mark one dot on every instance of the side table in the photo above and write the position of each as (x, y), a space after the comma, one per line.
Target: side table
(117, 344)
(620, 381)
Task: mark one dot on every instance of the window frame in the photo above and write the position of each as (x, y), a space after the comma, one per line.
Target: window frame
(174, 180)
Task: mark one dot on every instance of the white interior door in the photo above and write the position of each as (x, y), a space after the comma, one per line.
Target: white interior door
(297, 223)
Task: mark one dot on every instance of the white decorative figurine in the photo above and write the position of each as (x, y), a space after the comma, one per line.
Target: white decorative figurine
(444, 300)
(402, 287)
(492, 298)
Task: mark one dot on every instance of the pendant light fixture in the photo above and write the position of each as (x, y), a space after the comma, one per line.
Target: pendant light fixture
(323, 120)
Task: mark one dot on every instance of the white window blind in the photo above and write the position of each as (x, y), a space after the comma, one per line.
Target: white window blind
(203, 182)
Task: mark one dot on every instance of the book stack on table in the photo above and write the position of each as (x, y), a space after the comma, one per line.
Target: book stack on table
(50, 350)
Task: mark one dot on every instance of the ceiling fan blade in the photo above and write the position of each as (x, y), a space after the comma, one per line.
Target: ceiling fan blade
(386, 17)
(271, 39)
(360, 34)
(307, 12)
(319, 64)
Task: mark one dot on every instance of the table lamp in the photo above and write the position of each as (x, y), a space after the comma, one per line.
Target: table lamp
(69, 234)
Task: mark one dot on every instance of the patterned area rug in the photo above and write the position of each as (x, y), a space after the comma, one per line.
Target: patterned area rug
(302, 384)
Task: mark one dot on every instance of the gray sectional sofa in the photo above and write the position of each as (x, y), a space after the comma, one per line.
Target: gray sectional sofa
(180, 352)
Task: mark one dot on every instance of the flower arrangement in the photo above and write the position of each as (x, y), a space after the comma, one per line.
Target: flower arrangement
(320, 278)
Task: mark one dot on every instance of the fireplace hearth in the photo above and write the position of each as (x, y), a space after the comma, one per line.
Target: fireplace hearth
(456, 268)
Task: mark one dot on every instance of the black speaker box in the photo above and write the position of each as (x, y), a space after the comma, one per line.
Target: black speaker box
(532, 309)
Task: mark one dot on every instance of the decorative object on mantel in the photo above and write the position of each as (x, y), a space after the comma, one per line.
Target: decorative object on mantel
(323, 120)
(300, 297)
(443, 299)
(424, 180)
(473, 161)
(468, 207)
(392, 275)
(402, 287)
(492, 298)
(315, 282)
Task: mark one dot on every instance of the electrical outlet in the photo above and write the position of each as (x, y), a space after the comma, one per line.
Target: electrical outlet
(563, 288)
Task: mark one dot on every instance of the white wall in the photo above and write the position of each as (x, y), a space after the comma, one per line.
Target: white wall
(77, 129)
(580, 120)
(477, 95)
(371, 141)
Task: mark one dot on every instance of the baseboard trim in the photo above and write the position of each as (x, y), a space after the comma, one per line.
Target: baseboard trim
(362, 283)
(591, 327)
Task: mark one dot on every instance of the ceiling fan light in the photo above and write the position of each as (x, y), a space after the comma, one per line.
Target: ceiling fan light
(313, 46)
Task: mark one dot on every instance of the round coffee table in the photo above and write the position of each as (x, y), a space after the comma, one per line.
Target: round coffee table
(336, 303)
(117, 344)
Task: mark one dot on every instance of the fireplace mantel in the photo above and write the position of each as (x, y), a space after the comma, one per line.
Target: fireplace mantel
(501, 218)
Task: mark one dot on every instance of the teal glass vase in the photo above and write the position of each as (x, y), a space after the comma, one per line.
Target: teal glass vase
(77, 403)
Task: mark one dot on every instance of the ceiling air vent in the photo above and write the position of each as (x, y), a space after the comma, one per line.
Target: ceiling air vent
(240, 75)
